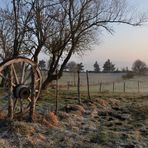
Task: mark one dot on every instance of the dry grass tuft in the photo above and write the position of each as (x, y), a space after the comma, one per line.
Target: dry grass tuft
(2, 115)
(63, 115)
(47, 123)
(23, 128)
(138, 135)
(114, 102)
(103, 103)
(50, 120)
(73, 107)
(37, 139)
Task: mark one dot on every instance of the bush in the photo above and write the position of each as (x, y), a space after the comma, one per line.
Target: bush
(128, 75)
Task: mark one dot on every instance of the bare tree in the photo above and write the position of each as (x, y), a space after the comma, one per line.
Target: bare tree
(75, 27)
(72, 66)
(139, 67)
(5, 37)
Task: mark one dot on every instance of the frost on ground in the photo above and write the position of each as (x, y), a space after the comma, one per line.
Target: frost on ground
(119, 122)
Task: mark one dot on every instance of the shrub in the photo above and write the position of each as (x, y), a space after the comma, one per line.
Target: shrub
(128, 75)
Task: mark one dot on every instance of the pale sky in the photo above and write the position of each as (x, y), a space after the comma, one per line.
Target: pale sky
(123, 47)
(127, 44)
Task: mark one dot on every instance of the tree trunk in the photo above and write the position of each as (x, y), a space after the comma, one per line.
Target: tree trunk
(50, 78)
(52, 69)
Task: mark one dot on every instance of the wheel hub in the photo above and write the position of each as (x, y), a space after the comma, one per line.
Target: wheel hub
(21, 91)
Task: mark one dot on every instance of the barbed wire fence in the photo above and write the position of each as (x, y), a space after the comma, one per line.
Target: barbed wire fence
(90, 86)
(85, 84)
(91, 83)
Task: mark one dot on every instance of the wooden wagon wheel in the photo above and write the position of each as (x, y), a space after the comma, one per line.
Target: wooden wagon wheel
(21, 79)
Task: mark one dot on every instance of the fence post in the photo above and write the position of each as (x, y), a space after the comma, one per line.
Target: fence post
(100, 88)
(88, 90)
(124, 87)
(138, 86)
(113, 87)
(78, 87)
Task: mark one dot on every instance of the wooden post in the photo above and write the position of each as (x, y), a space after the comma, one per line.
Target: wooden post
(88, 90)
(138, 86)
(56, 92)
(100, 88)
(113, 87)
(78, 87)
(124, 87)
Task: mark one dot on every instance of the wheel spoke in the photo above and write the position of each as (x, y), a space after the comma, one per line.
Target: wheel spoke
(15, 75)
(29, 99)
(15, 102)
(27, 78)
(23, 73)
(21, 105)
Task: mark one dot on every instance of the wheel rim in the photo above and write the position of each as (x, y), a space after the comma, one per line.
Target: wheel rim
(21, 70)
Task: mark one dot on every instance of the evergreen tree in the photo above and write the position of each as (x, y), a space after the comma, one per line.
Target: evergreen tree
(108, 66)
(80, 67)
(96, 67)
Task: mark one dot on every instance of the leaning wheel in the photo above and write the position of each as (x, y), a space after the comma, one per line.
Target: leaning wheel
(20, 78)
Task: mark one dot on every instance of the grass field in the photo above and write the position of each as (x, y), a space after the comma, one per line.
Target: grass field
(104, 82)
(107, 120)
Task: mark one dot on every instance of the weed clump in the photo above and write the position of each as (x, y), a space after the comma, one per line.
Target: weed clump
(50, 120)
(22, 128)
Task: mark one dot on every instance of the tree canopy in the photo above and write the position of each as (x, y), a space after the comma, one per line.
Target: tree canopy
(108, 66)
(96, 67)
(74, 67)
(139, 67)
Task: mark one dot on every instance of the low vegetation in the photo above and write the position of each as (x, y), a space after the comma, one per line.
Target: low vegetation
(107, 120)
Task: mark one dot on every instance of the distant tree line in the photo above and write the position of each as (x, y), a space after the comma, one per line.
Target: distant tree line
(108, 67)
(139, 67)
